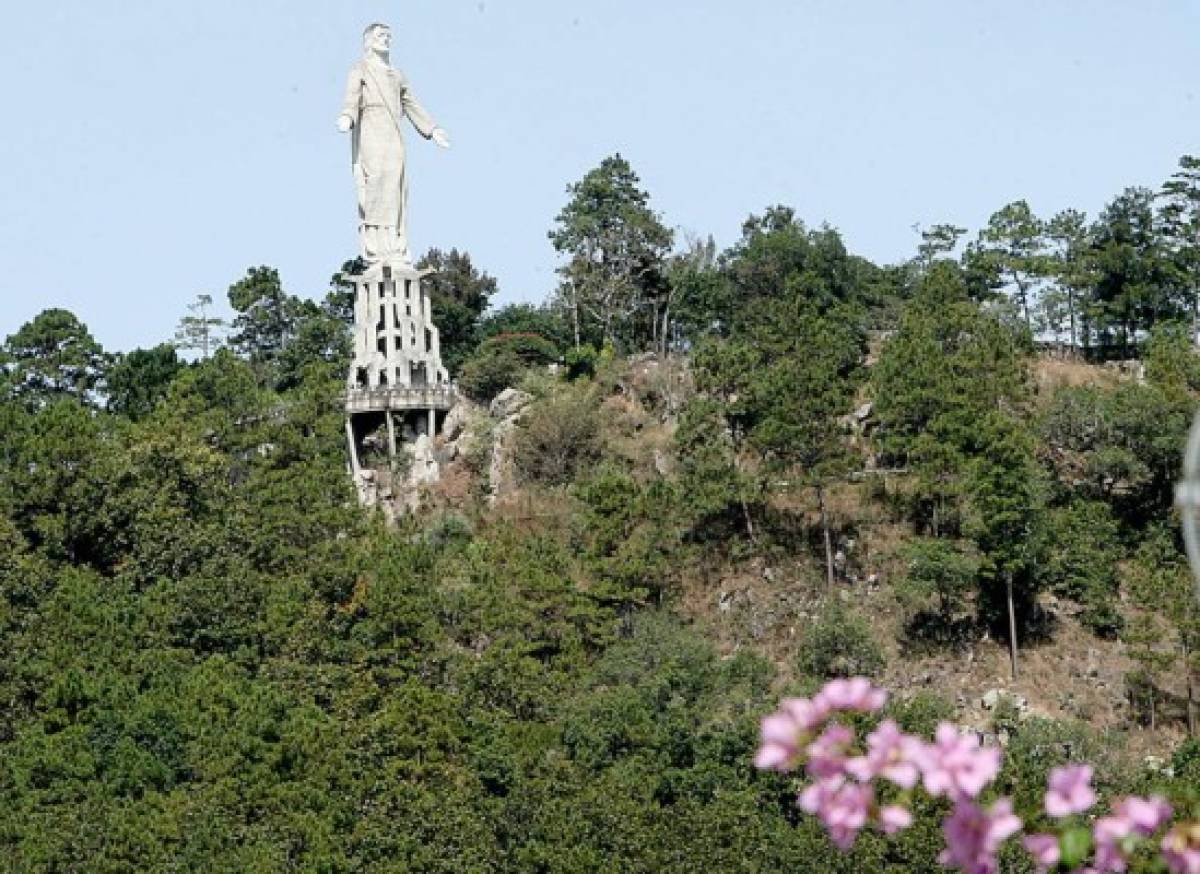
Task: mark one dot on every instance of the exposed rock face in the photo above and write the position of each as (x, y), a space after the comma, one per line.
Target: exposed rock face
(423, 467)
(502, 470)
(458, 419)
(375, 490)
(509, 403)
(368, 488)
(396, 488)
(992, 697)
(483, 437)
(506, 408)
(459, 431)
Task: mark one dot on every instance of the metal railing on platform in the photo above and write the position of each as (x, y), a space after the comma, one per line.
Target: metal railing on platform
(370, 400)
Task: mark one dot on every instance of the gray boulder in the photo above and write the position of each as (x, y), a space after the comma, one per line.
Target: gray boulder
(509, 403)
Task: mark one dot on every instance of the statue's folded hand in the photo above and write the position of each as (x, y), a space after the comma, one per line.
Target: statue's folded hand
(344, 123)
(440, 137)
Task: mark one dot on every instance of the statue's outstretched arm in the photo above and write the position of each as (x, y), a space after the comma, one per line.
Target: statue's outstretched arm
(422, 120)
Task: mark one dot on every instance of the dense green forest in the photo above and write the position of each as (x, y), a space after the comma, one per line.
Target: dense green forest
(739, 473)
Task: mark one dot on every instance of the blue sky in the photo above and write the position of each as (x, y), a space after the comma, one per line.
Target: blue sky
(154, 151)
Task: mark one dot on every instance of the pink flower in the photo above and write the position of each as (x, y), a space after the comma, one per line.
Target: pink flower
(827, 754)
(974, 836)
(1184, 861)
(1044, 849)
(1145, 815)
(1181, 849)
(785, 731)
(855, 695)
(1110, 834)
(891, 754)
(1132, 817)
(954, 765)
(894, 818)
(842, 807)
(1070, 791)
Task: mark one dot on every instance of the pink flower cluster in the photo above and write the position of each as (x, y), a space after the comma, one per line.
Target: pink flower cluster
(786, 732)
(974, 835)
(1070, 791)
(1114, 836)
(842, 794)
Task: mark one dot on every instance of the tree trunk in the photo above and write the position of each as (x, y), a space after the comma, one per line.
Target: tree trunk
(828, 540)
(1191, 698)
(1071, 313)
(575, 312)
(1196, 317)
(749, 520)
(1012, 623)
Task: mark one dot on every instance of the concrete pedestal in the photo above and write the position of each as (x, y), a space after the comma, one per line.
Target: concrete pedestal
(397, 385)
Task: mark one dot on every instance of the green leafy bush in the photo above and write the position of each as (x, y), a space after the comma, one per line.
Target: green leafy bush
(840, 644)
(557, 438)
(489, 372)
(529, 347)
(581, 361)
(939, 569)
(1082, 565)
(500, 362)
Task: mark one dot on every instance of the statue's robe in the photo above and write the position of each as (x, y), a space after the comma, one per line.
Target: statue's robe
(377, 101)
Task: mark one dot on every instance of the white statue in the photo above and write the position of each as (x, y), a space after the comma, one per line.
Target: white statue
(377, 101)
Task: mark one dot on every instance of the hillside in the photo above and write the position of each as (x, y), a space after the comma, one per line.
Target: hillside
(690, 485)
(214, 659)
(766, 600)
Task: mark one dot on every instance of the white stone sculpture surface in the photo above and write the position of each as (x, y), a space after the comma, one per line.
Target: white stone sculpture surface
(396, 343)
(377, 101)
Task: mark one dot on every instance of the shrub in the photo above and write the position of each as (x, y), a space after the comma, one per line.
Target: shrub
(529, 347)
(625, 534)
(581, 362)
(717, 491)
(490, 371)
(940, 569)
(501, 362)
(921, 713)
(1185, 763)
(557, 438)
(840, 644)
(1083, 564)
(448, 529)
(1037, 745)
(523, 318)
(1171, 359)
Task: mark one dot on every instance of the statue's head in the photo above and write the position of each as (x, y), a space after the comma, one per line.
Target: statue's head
(377, 37)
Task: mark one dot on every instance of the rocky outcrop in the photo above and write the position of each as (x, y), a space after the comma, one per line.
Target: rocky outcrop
(396, 485)
(505, 410)
(459, 419)
(509, 403)
(459, 430)
(502, 469)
